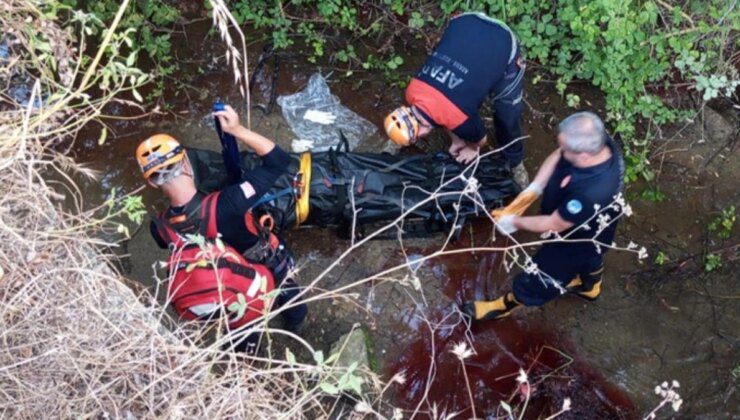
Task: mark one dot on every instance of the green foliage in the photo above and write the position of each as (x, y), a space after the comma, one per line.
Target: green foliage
(661, 258)
(722, 225)
(331, 384)
(130, 207)
(394, 62)
(349, 381)
(712, 262)
(572, 100)
(653, 194)
(634, 51)
(145, 24)
(240, 306)
(637, 165)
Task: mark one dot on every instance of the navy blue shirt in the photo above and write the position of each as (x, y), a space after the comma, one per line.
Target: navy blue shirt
(468, 62)
(232, 204)
(588, 188)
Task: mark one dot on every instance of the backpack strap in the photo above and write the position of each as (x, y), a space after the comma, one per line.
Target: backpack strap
(237, 269)
(166, 231)
(208, 213)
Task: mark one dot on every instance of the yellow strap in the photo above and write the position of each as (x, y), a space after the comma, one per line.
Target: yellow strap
(301, 206)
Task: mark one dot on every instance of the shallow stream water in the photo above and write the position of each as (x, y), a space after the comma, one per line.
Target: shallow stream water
(650, 325)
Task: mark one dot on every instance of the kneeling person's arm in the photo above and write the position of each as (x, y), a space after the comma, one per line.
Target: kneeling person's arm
(472, 132)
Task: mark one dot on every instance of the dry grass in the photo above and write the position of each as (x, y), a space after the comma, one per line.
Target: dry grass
(222, 20)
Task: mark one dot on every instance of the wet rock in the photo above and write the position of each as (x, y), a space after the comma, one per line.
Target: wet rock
(717, 128)
(354, 349)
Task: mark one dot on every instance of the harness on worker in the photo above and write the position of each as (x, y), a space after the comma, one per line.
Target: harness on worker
(209, 278)
(199, 216)
(268, 249)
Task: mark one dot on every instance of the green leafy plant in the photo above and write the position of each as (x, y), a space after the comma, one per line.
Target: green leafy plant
(145, 26)
(637, 165)
(394, 62)
(660, 258)
(712, 262)
(349, 381)
(572, 100)
(722, 225)
(240, 306)
(653, 194)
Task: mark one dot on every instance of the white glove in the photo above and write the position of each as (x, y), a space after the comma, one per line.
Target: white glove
(320, 117)
(301, 145)
(535, 188)
(505, 224)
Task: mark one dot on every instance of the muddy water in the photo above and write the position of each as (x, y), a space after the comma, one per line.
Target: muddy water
(649, 326)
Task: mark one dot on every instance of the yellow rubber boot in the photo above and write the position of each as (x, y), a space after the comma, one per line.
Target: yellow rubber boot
(481, 310)
(589, 289)
(576, 282)
(592, 294)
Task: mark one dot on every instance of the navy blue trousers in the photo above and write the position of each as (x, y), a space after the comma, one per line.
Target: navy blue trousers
(296, 314)
(507, 103)
(556, 265)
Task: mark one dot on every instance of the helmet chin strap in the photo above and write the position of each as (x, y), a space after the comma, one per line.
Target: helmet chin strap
(187, 169)
(422, 121)
(168, 175)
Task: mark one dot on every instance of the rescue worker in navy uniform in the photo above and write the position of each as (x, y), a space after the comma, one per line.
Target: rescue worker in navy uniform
(173, 175)
(580, 180)
(478, 57)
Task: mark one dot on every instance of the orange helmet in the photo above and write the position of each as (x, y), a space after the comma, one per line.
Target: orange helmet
(402, 126)
(159, 153)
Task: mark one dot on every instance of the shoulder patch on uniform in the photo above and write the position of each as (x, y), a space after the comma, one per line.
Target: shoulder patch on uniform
(574, 206)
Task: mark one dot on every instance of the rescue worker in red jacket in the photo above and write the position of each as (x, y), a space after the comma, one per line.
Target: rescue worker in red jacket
(164, 164)
(477, 58)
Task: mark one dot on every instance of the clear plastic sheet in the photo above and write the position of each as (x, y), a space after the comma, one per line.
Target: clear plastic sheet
(317, 117)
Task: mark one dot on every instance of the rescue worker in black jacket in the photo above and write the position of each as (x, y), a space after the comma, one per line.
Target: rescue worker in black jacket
(578, 182)
(165, 166)
(477, 58)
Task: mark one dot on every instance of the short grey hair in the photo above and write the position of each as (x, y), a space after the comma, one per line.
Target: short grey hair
(583, 132)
